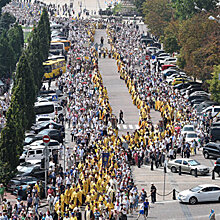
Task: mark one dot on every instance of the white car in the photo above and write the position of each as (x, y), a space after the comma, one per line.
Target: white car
(213, 109)
(199, 93)
(201, 193)
(190, 136)
(170, 60)
(170, 78)
(187, 128)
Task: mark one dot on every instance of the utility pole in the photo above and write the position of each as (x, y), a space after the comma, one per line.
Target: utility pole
(46, 140)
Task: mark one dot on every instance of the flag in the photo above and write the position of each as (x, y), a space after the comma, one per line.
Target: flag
(105, 158)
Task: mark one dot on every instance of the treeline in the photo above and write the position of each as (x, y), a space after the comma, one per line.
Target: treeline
(11, 44)
(20, 115)
(183, 26)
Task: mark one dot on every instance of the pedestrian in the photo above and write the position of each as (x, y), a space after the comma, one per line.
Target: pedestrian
(102, 40)
(212, 215)
(2, 192)
(153, 193)
(143, 195)
(121, 115)
(146, 207)
(141, 212)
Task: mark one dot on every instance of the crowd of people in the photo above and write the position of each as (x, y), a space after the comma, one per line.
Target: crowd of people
(97, 181)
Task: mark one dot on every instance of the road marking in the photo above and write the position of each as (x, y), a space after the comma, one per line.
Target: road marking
(125, 126)
(137, 126)
(131, 126)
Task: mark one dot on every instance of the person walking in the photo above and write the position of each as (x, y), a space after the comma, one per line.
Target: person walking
(146, 207)
(212, 215)
(141, 212)
(153, 193)
(121, 116)
(2, 192)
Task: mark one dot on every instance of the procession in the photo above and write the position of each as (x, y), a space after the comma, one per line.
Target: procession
(90, 165)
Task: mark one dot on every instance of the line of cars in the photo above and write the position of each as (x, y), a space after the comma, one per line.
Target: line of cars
(199, 100)
(31, 168)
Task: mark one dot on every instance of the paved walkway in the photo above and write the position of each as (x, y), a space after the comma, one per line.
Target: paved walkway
(119, 96)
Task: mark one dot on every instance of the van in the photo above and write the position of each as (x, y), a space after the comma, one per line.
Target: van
(214, 133)
(49, 109)
(36, 153)
(214, 110)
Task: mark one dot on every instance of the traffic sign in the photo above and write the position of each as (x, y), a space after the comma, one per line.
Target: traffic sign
(54, 98)
(46, 139)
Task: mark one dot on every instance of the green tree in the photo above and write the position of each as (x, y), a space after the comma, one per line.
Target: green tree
(6, 20)
(7, 56)
(200, 46)
(186, 8)
(170, 38)
(215, 85)
(15, 40)
(157, 15)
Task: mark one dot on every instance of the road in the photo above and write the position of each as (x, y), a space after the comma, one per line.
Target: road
(119, 96)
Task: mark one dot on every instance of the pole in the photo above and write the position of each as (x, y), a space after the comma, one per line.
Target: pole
(46, 158)
(164, 183)
(64, 158)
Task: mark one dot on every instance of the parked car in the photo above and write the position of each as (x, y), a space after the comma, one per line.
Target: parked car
(201, 193)
(214, 133)
(217, 166)
(44, 125)
(170, 60)
(32, 170)
(211, 150)
(188, 166)
(19, 181)
(53, 133)
(214, 110)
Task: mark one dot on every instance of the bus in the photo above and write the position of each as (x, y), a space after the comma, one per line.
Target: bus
(67, 43)
(57, 48)
(53, 68)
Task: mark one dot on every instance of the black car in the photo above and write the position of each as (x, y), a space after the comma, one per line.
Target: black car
(19, 181)
(31, 170)
(52, 133)
(217, 166)
(198, 97)
(211, 150)
(214, 133)
(46, 124)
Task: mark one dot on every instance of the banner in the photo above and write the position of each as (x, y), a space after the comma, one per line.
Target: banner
(105, 158)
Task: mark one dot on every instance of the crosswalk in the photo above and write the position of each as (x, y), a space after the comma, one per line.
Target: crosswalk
(127, 127)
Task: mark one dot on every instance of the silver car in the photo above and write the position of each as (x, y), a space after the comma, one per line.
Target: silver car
(187, 166)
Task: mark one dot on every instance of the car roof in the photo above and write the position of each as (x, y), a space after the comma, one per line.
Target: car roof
(187, 159)
(189, 126)
(208, 185)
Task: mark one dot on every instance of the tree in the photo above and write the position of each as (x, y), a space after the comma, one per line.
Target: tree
(7, 57)
(170, 38)
(5, 21)
(2, 4)
(157, 15)
(200, 46)
(139, 5)
(215, 85)
(186, 8)
(15, 37)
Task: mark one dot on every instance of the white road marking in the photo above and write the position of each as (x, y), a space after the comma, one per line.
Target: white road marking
(125, 126)
(131, 126)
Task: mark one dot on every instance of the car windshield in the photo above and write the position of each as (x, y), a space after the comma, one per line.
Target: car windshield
(192, 135)
(44, 132)
(26, 169)
(188, 128)
(196, 189)
(193, 163)
(28, 139)
(43, 124)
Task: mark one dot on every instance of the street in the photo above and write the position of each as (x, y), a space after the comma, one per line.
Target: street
(101, 169)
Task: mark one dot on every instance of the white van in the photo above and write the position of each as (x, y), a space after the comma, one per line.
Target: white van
(48, 109)
(35, 153)
(213, 109)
